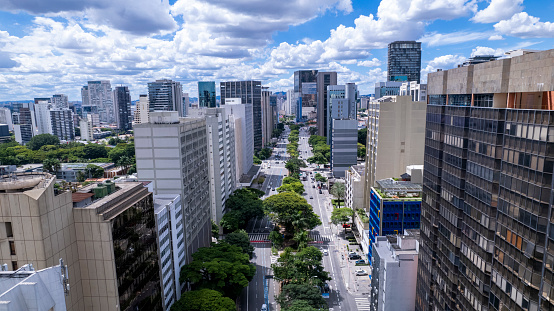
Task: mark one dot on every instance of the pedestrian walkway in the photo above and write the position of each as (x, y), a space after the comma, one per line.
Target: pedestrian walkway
(362, 303)
(319, 238)
(258, 237)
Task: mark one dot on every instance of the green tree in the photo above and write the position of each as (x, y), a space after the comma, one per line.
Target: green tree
(317, 140)
(318, 158)
(244, 204)
(81, 177)
(93, 151)
(42, 140)
(203, 300)
(94, 171)
(338, 190)
(293, 166)
(294, 127)
(301, 238)
(257, 161)
(313, 130)
(125, 162)
(240, 238)
(362, 136)
(297, 187)
(221, 267)
(215, 229)
(276, 238)
(286, 207)
(51, 165)
(341, 215)
(301, 305)
(289, 180)
(361, 151)
(320, 178)
(310, 295)
(302, 267)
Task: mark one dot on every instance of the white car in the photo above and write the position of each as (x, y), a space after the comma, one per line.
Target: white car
(361, 272)
(325, 252)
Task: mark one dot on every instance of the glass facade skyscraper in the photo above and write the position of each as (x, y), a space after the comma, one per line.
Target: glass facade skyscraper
(206, 94)
(122, 103)
(487, 227)
(165, 95)
(404, 61)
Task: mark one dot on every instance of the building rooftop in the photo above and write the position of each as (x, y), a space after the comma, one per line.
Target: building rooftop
(359, 169)
(162, 200)
(19, 182)
(395, 186)
(80, 196)
(82, 166)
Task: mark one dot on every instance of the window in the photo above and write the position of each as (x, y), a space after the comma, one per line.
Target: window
(12, 247)
(14, 265)
(9, 231)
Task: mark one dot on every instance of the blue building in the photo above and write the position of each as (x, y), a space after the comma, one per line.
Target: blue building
(206, 94)
(394, 207)
(299, 109)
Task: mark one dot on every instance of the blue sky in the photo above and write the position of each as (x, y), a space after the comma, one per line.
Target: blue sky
(55, 46)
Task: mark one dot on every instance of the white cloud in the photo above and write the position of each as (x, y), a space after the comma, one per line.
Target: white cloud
(498, 10)
(443, 62)
(496, 37)
(483, 50)
(438, 39)
(370, 63)
(523, 25)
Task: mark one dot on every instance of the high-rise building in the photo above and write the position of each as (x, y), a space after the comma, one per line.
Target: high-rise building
(323, 80)
(250, 92)
(309, 93)
(172, 152)
(404, 61)
(206, 94)
(168, 210)
(269, 103)
(341, 104)
(62, 124)
(142, 112)
(186, 104)
(122, 103)
(487, 235)
(240, 118)
(43, 119)
(24, 130)
(59, 101)
(394, 272)
(6, 117)
(344, 145)
(86, 130)
(389, 88)
(222, 162)
(290, 104)
(395, 137)
(165, 95)
(97, 98)
(417, 91)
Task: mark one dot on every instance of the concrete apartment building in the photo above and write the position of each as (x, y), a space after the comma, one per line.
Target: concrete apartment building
(172, 152)
(6, 117)
(222, 162)
(417, 91)
(168, 210)
(395, 138)
(240, 117)
(487, 234)
(355, 180)
(142, 111)
(394, 272)
(341, 104)
(62, 124)
(86, 130)
(60, 101)
(97, 98)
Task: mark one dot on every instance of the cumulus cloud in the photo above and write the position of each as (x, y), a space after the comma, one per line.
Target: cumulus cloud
(438, 39)
(498, 10)
(483, 50)
(496, 37)
(524, 25)
(444, 62)
(133, 16)
(6, 61)
(370, 63)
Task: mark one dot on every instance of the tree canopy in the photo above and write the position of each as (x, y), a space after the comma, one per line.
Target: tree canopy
(341, 215)
(42, 140)
(94, 171)
(244, 204)
(320, 178)
(302, 267)
(240, 238)
(361, 151)
(338, 190)
(291, 211)
(310, 296)
(203, 300)
(362, 136)
(297, 187)
(93, 151)
(222, 267)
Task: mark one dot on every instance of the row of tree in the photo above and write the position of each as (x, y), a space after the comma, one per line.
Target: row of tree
(321, 151)
(244, 204)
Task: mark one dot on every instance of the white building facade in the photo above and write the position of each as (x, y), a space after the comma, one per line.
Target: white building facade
(241, 116)
(355, 179)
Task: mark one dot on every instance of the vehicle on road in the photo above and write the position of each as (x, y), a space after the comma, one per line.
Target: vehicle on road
(311, 197)
(360, 262)
(325, 252)
(313, 186)
(320, 192)
(361, 272)
(345, 225)
(273, 189)
(264, 307)
(268, 187)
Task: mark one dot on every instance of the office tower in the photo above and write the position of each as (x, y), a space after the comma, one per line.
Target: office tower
(43, 119)
(323, 80)
(222, 162)
(269, 103)
(172, 152)
(25, 129)
(404, 61)
(305, 87)
(94, 119)
(5, 135)
(62, 124)
(341, 104)
(171, 255)
(389, 88)
(122, 103)
(395, 137)
(186, 104)
(59, 101)
(417, 91)
(97, 98)
(344, 145)
(486, 227)
(116, 240)
(394, 272)
(36, 227)
(86, 130)
(19, 289)
(250, 92)
(142, 112)
(165, 95)
(6, 117)
(206, 94)
(240, 117)
(290, 103)
(274, 111)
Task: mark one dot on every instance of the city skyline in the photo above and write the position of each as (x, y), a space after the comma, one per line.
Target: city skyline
(53, 49)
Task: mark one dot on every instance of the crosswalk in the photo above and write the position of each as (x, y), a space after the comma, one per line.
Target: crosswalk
(362, 303)
(264, 237)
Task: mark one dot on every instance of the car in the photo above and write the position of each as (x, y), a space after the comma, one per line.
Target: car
(360, 262)
(320, 192)
(325, 252)
(313, 186)
(361, 272)
(264, 307)
(345, 225)
(272, 189)
(311, 197)
(268, 187)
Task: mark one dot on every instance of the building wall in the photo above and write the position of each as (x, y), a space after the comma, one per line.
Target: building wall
(344, 147)
(323, 79)
(142, 112)
(99, 100)
(355, 189)
(6, 117)
(122, 103)
(62, 124)
(165, 95)
(244, 137)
